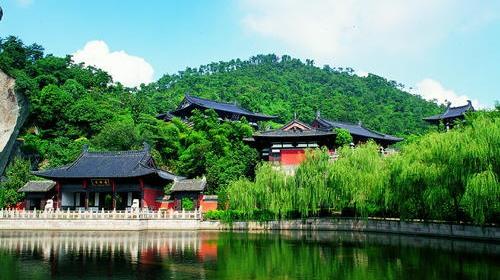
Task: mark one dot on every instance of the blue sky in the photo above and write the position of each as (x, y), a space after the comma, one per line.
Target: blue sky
(444, 50)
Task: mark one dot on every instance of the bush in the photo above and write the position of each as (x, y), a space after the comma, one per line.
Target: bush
(229, 216)
(187, 204)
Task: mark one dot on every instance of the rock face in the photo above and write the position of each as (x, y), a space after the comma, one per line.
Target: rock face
(13, 113)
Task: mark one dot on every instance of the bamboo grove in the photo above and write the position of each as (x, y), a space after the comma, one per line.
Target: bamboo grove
(450, 176)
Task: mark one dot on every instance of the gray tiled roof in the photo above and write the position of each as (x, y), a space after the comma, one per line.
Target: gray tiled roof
(356, 130)
(189, 185)
(121, 164)
(452, 112)
(220, 106)
(37, 186)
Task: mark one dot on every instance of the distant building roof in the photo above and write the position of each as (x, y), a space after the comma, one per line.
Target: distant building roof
(189, 185)
(354, 129)
(165, 116)
(37, 186)
(294, 128)
(121, 164)
(227, 109)
(451, 113)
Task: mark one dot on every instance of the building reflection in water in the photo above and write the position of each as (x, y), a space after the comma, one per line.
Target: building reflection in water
(144, 249)
(240, 255)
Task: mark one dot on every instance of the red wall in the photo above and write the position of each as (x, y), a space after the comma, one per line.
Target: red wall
(292, 157)
(208, 205)
(150, 196)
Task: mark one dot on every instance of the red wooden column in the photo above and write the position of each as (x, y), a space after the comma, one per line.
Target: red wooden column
(113, 185)
(58, 194)
(141, 185)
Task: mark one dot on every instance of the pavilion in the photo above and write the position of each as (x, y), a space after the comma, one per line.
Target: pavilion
(225, 111)
(451, 115)
(109, 180)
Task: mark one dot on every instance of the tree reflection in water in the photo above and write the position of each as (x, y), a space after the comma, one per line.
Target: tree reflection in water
(233, 255)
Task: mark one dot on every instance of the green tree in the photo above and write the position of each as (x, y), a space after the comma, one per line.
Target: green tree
(17, 174)
(343, 137)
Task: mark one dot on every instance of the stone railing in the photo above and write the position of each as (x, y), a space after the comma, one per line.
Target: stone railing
(100, 215)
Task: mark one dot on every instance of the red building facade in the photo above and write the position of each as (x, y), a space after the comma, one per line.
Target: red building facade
(108, 180)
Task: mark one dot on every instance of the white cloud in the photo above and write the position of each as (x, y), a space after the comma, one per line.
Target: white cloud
(433, 90)
(127, 69)
(336, 29)
(361, 73)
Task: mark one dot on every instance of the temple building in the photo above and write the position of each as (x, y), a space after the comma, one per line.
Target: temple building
(225, 111)
(451, 115)
(192, 189)
(286, 146)
(37, 193)
(104, 180)
(359, 133)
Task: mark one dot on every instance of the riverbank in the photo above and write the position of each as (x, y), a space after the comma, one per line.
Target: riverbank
(435, 229)
(447, 230)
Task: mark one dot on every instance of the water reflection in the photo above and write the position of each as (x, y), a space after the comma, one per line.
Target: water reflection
(214, 255)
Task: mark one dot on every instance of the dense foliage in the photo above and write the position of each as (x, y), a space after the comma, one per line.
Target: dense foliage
(72, 105)
(18, 173)
(446, 176)
(284, 86)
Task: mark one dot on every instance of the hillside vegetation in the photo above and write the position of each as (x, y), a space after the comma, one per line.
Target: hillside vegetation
(283, 86)
(72, 105)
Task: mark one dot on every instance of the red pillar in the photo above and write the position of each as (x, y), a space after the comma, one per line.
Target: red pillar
(113, 185)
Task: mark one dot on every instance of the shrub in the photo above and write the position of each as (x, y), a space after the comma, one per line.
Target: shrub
(187, 204)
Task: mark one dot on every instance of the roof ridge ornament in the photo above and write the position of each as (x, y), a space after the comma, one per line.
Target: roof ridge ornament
(146, 146)
(85, 148)
(318, 114)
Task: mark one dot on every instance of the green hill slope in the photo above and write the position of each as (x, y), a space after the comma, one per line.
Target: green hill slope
(284, 86)
(72, 105)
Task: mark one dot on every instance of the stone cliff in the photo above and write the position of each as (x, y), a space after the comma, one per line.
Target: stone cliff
(13, 113)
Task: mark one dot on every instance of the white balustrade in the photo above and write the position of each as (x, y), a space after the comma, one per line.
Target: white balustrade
(80, 214)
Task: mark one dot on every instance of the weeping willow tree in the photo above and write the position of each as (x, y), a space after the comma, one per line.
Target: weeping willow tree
(358, 179)
(481, 199)
(311, 190)
(447, 176)
(272, 191)
(430, 176)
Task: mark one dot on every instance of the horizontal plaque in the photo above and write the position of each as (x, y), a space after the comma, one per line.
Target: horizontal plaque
(100, 182)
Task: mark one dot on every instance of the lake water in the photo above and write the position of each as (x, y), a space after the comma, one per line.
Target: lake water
(226, 255)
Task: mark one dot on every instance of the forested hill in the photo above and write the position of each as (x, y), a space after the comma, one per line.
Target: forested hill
(71, 105)
(283, 86)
